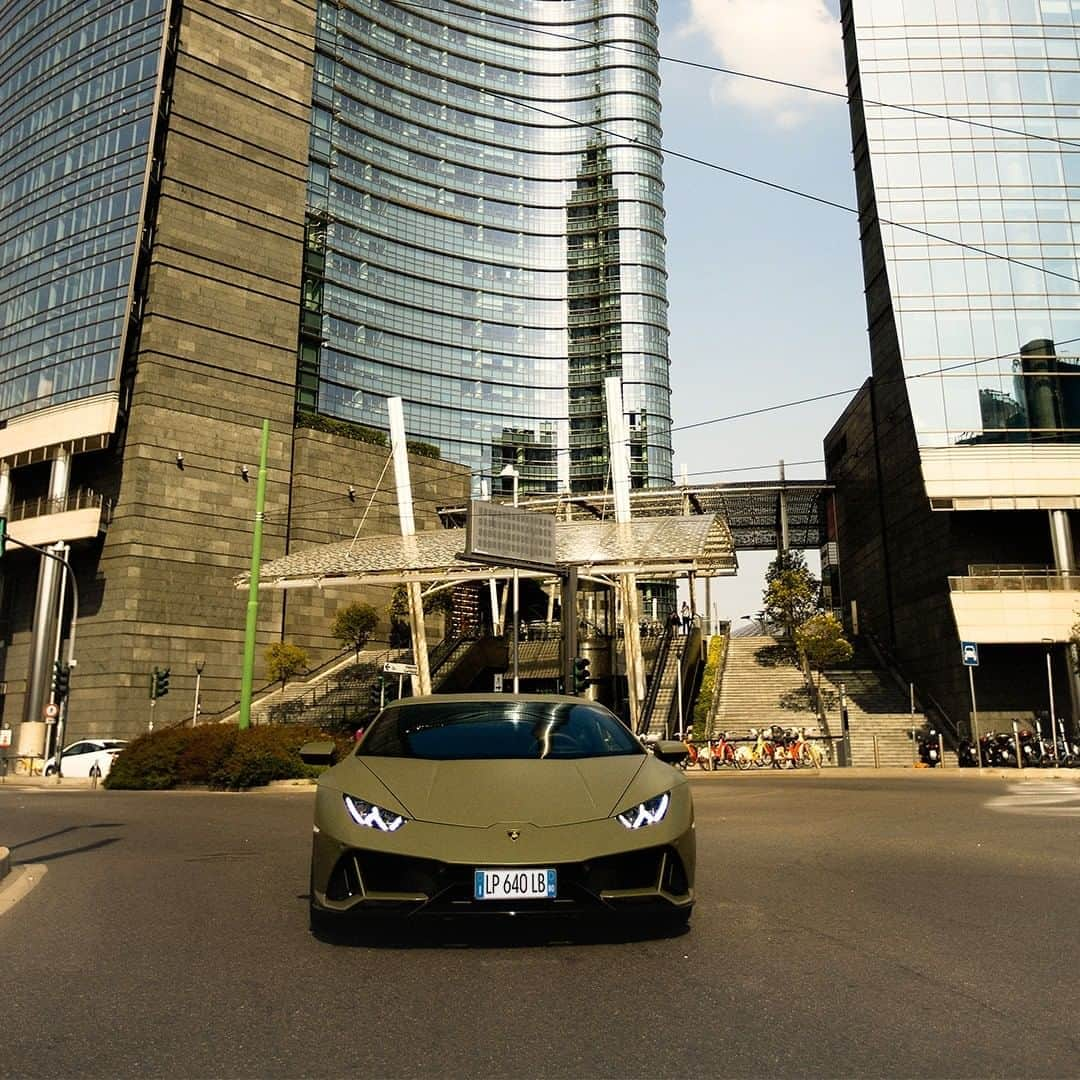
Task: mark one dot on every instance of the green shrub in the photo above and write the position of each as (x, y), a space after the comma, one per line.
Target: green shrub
(713, 662)
(218, 755)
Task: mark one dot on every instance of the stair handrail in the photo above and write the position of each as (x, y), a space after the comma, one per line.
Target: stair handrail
(653, 681)
(689, 662)
(923, 698)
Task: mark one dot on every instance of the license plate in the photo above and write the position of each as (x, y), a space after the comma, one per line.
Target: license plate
(514, 885)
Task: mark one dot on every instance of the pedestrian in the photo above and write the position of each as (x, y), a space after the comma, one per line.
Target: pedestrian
(685, 618)
(675, 621)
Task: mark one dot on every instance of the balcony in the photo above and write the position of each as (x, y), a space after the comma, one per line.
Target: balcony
(80, 515)
(1014, 604)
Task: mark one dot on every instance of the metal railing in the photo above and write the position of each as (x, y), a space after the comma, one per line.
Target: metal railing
(1018, 579)
(80, 499)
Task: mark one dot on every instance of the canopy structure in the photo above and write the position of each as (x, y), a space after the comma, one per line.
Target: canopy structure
(656, 548)
(751, 509)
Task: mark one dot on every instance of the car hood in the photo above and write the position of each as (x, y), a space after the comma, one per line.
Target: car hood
(483, 793)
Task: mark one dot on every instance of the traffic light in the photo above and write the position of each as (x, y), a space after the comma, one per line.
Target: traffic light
(159, 685)
(581, 674)
(376, 693)
(61, 680)
(3, 536)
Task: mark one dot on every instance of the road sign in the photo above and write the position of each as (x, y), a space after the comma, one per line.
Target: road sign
(495, 532)
(392, 668)
(970, 652)
(5, 736)
(52, 711)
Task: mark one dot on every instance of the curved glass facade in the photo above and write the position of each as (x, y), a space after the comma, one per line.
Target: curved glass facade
(1012, 64)
(475, 245)
(77, 87)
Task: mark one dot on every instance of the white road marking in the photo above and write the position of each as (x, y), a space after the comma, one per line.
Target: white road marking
(1040, 798)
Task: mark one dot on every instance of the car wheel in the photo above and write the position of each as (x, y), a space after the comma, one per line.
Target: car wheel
(50, 770)
(324, 922)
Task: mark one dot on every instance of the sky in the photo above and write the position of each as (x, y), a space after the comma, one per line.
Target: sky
(765, 289)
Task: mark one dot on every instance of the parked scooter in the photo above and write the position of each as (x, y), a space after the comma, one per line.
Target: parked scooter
(929, 747)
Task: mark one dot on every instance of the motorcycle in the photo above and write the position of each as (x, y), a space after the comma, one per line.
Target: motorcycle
(929, 748)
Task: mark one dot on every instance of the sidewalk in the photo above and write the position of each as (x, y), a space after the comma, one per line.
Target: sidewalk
(890, 773)
(80, 783)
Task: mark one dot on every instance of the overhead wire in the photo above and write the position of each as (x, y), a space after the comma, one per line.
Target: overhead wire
(506, 20)
(659, 148)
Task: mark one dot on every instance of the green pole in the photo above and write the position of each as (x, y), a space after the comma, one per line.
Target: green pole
(253, 586)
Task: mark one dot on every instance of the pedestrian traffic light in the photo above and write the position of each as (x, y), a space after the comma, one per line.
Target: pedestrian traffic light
(160, 685)
(581, 674)
(61, 680)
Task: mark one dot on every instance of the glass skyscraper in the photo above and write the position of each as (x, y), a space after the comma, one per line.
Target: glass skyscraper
(957, 467)
(77, 91)
(988, 334)
(485, 231)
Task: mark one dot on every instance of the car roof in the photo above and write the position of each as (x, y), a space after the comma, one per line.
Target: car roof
(501, 699)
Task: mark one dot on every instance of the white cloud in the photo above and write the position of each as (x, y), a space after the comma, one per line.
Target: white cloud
(795, 40)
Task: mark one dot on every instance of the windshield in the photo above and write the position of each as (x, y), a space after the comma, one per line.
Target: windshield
(518, 730)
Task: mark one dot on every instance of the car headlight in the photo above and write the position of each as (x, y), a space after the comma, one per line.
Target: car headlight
(648, 812)
(371, 816)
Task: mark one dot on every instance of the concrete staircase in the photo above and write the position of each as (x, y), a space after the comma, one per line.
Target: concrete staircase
(876, 707)
(762, 686)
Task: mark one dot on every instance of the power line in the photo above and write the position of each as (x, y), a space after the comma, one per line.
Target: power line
(505, 20)
(841, 393)
(660, 149)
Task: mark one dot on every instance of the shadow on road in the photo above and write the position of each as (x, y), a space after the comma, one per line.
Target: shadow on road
(91, 846)
(493, 932)
(53, 856)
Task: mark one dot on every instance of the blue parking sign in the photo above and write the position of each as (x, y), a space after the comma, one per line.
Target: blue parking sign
(970, 651)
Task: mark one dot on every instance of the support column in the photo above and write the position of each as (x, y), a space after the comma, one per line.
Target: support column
(46, 616)
(422, 678)
(1065, 562)
(782, 534)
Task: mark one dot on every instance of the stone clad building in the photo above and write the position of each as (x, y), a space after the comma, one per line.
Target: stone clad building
(211, 217)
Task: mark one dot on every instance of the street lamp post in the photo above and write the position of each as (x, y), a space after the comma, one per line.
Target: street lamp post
(199, 665)
(1049, 643)
(509, 470)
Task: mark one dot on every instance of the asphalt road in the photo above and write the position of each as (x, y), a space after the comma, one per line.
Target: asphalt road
(916, 926)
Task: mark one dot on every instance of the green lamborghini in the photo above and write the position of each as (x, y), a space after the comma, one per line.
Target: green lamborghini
(501, 804)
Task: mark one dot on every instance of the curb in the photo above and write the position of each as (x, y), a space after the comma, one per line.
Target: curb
(5, 862)
(892, 772)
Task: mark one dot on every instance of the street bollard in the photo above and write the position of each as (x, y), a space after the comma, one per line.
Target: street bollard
(877, 759)
(1016, 742)
(941, 750)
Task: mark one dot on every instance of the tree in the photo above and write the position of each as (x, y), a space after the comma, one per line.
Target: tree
(791, 592)
(398, 612)
(284, 661)
(353, 625)
(821, 640)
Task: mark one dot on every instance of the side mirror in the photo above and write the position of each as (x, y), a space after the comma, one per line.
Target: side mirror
(318, 753)
(670, 750)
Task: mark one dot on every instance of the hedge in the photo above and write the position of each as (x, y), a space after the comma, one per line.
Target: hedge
(217, 756)
(713, 663)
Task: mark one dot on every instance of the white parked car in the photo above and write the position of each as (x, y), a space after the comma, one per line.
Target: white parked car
(87, 757)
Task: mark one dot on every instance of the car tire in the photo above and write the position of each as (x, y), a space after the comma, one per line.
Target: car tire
(323, 922)
(50, 770)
